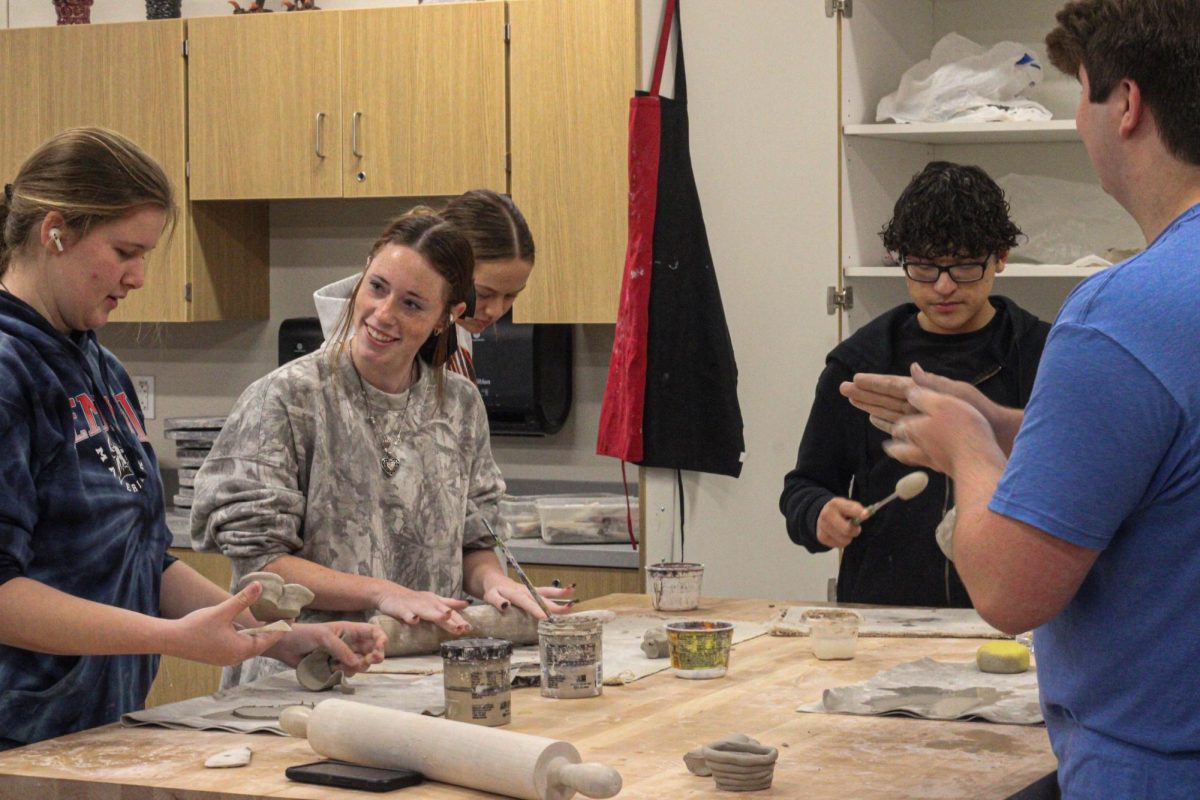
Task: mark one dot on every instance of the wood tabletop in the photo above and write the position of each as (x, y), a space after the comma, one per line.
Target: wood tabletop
(642, 729)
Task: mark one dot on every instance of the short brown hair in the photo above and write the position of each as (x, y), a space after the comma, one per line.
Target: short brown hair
(1154, 43)
(493, 225)
(90, 176)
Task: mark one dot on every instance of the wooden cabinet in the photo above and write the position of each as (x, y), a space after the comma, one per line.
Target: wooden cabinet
(406, 101)
(590, 582)
(180, 679)
(573, 67)
(131, 78)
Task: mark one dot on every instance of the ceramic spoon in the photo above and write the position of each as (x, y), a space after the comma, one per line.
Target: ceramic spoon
(907, 488)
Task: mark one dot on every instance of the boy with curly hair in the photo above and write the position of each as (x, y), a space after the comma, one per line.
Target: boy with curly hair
(951, 233)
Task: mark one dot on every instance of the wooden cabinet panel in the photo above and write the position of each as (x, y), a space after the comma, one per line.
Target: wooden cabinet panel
(180, 679)
(428, 82)
(572, 70)
(256, 86)
(131, 77)
(589, 582)
(128, 77)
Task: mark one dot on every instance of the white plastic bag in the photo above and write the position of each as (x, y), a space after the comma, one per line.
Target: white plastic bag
(963, 82)
(1067, 222)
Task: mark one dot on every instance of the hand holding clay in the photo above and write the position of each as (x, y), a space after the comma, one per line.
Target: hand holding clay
(352, 646)
(209, 635)
(837, 524)
(279, 600)
(411, 607)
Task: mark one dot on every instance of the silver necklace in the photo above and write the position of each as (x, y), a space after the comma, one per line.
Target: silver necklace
(388, 462)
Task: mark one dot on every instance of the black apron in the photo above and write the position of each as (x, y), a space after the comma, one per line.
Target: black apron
(692, 419)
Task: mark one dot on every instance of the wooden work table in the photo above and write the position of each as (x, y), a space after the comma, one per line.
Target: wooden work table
(642, 729)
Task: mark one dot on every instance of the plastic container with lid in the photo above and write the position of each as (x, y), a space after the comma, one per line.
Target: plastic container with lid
(584, 519)
(476, 677)
(519, 517)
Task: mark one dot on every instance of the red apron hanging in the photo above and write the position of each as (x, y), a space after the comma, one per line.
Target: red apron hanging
(625, 391)
(671, 399)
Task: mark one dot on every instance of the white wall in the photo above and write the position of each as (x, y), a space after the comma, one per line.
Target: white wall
(762, 82)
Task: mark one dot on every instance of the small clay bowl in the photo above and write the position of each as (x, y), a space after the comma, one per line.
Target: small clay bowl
(741, 766)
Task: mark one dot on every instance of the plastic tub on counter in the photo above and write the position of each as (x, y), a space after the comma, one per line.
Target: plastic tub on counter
(582, 519)
(519, 517)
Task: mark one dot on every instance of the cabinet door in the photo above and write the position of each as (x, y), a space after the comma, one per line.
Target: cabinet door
(128, 77)
(572, 71)
(257, 85)
(423, 100)
(20, 96)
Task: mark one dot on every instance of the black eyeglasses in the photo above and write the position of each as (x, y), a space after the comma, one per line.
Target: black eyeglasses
(969, 272)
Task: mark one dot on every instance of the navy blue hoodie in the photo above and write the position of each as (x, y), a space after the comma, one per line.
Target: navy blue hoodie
(81, 510)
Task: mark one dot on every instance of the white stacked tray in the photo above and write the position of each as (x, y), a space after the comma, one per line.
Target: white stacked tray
(193, 437)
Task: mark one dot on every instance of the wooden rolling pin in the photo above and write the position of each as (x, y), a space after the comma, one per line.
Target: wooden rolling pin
(514, 625)
(488, 759)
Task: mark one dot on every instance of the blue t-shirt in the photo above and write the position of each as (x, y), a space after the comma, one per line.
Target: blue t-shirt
(81, 510)
(1108, 458)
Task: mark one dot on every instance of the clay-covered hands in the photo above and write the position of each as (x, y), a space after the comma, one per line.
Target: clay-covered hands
(885, 399)
(943, 432)
(502, 591)
(411, 607)
(355, 646)
(835, 524)
(210, 634)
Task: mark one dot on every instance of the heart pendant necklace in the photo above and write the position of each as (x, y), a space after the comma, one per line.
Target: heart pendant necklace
(388, 463)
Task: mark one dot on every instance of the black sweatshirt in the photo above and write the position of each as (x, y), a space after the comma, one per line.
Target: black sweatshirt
(895, 560)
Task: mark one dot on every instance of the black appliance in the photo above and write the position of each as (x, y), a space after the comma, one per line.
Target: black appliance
(523, 371)
(299, 336)
(524, 375)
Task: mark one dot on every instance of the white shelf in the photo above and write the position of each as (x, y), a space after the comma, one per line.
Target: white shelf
(1010, 271)
(1055, 130)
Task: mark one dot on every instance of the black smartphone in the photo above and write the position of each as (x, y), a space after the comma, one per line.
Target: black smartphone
(353, 776)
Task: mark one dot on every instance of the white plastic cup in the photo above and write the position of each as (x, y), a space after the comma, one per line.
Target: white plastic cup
(674, 586)
(832, 632)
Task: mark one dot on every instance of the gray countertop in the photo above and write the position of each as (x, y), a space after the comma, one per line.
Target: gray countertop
(526, 551)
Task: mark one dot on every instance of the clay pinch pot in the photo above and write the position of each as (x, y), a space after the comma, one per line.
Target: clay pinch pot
(278, 600)
(741, 766)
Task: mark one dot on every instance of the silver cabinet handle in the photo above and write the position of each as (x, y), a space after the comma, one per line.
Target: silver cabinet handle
(354, 133)
(320, 127)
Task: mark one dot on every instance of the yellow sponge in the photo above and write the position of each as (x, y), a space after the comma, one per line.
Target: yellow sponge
(1003, 657)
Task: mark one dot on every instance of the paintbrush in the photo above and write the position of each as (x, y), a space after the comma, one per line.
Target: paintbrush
(512, 560)
(907, 488)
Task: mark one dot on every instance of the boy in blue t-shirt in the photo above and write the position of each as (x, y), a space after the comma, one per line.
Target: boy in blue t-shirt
(1087, 526)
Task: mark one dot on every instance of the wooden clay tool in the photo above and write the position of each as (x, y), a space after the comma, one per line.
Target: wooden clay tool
(907, 488)
(489, 759)
(517, 568)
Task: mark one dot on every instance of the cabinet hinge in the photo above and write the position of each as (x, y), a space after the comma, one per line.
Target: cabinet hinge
(185, 48)
(187, 170)
(835, 299)
(843, 7)
(508, 163)
(508, 31)
(187, 292)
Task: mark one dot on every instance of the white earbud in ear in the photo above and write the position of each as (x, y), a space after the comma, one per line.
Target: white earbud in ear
(56, 237)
